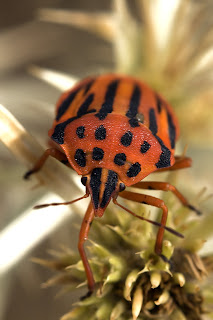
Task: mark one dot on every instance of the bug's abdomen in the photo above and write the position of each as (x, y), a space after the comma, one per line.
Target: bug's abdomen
(115, 94)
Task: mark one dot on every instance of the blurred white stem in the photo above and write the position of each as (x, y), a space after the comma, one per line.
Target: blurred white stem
(30, 228)
(58, 80)
(99, 23)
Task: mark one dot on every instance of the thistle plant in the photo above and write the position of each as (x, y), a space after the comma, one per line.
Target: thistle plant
(132, 282)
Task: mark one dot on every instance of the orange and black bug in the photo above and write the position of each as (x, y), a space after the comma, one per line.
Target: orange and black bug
(114, 131)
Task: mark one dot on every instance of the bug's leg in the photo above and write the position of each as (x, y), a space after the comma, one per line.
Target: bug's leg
(53, 152)
(180, 163)
(152, 201)
(165, 186)
(83, 236)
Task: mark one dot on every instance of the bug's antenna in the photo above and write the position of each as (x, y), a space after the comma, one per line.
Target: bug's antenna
(150, 221)
(40, 206)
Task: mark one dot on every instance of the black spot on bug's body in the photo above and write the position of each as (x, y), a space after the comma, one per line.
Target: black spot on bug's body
(126, 139)
(134, 102)
(110, 186)
(58, 134)
(80, 157)
(159, 103)
(97, 154)
(145, 147)
(80, 132)
(134, 170)
(100, 133)
(120, 159)
(88, 86)
(109, 99)
(172, 130)
(133, 107)
(85, 105)
(134, 123)
(165, 157)
(152, 121)
(164, 160)
(66, 103)
(95, 182)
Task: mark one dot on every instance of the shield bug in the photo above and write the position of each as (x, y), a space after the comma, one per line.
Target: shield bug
(114, 130)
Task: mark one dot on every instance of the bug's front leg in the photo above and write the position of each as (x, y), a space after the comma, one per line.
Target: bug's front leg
(83, 236)
(53, 152)
(152, 201)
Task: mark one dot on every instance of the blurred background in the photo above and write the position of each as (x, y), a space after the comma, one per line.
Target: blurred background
(26, 41)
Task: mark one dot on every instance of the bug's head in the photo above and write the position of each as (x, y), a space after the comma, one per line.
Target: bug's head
(103, 185)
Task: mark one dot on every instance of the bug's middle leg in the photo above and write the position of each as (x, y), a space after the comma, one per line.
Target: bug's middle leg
(146, 199)
(166, 186)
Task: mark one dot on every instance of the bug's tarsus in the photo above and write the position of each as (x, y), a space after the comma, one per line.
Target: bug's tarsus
(165, 259)
(28, 174)
(41, 206)
(197, 211)
(87, 295)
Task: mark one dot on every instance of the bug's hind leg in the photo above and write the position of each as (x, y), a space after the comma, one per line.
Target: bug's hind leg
(83, 236)
(165, 186)
(53, 152)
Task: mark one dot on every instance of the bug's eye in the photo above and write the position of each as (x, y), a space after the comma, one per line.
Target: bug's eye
(84, 180)
(122, 187)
